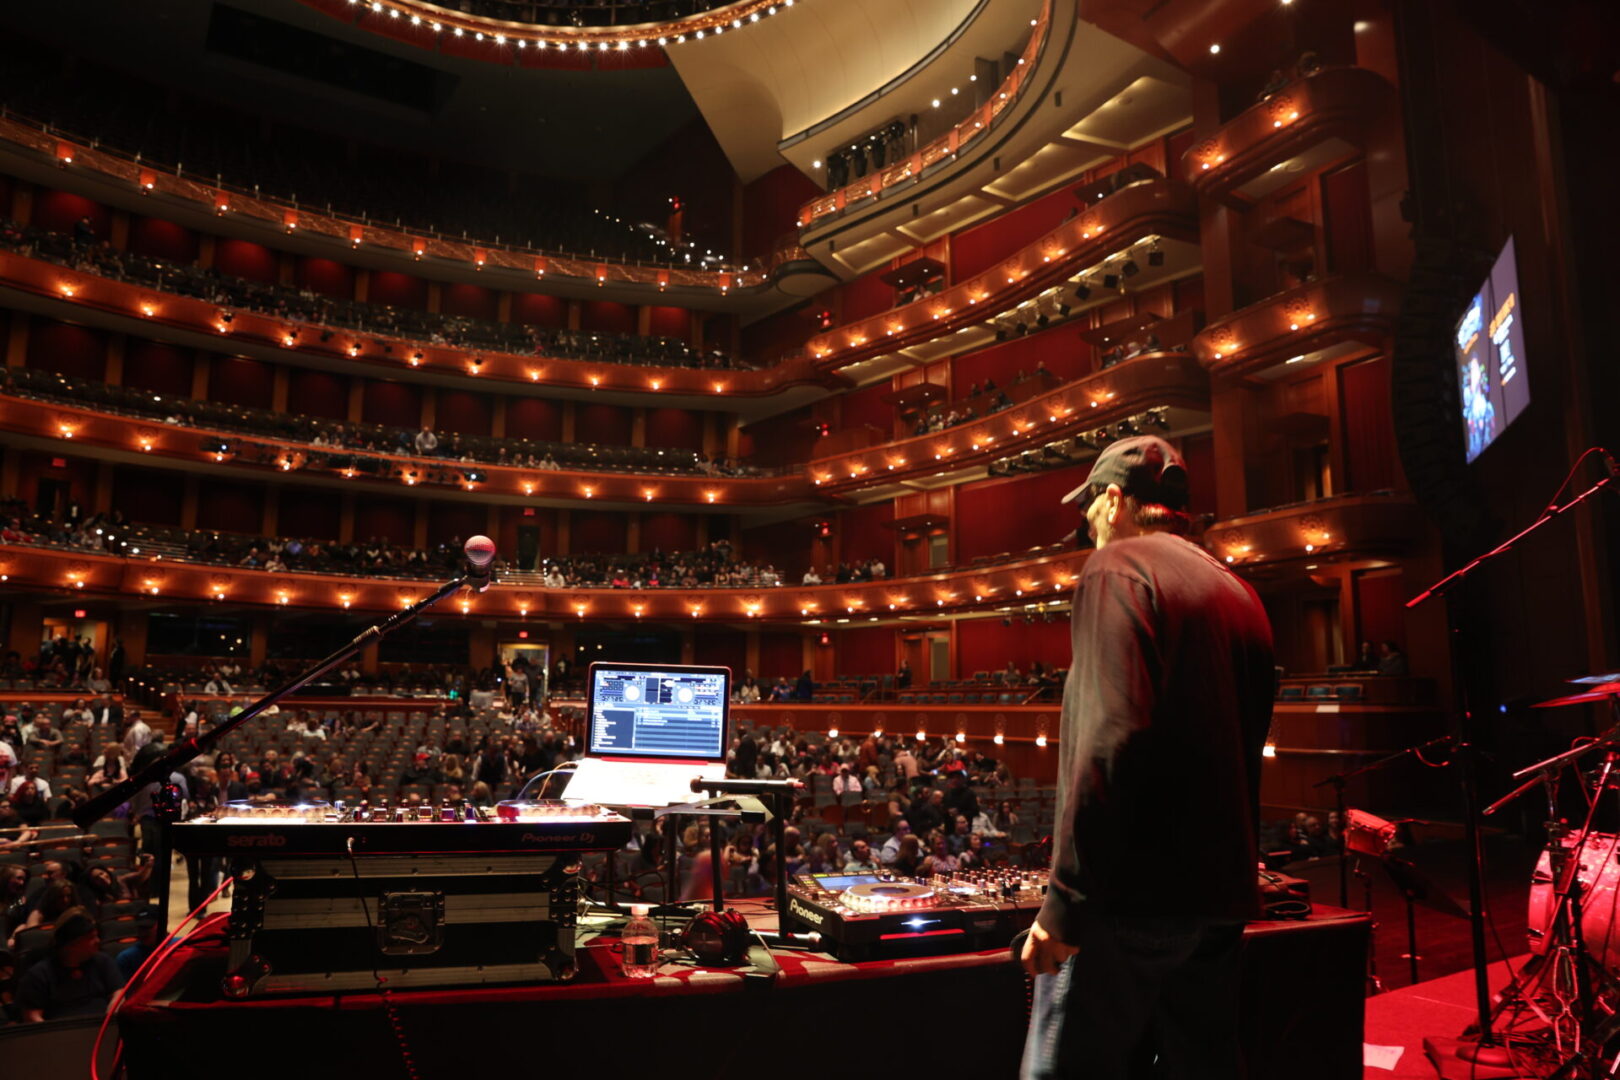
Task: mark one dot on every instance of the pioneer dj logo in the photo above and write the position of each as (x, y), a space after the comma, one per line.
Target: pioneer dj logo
(814, 918)
(267, 840)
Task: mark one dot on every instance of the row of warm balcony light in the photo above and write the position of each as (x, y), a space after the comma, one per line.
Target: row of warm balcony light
(1375, 526)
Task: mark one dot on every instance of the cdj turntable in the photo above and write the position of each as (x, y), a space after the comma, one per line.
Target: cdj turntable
(872, 916)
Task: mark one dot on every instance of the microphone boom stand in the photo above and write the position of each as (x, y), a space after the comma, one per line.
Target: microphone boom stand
(159, 770)
(1488, 1051)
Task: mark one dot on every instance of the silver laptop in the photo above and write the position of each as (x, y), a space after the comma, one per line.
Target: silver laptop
(649, 730)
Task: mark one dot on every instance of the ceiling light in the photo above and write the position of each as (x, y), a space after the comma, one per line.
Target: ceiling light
(1214, 50)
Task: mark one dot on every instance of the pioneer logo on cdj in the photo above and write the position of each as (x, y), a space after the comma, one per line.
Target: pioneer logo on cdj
(809, 915)
(267, 840)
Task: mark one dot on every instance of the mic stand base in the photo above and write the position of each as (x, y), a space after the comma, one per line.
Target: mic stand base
(1466, 1059)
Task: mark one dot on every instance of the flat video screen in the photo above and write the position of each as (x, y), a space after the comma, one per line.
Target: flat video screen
(1491, 356)
(658, 712)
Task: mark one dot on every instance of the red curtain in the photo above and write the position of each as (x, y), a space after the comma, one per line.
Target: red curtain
(1369, 428)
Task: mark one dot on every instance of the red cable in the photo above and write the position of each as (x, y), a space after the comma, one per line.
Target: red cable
(164, 950)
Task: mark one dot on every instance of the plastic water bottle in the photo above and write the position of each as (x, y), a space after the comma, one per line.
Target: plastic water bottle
(640, 941)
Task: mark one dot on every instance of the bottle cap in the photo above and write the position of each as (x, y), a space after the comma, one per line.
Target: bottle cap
(639, 910)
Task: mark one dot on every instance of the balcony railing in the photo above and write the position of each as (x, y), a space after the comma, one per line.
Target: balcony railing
(1381, 523)
(1293, 324)
(1046, 578)
(224, 200)
(84, 426)
(390, 354)
(1097, 399)
(1142, 209)
(944, 149)
(1336, 103)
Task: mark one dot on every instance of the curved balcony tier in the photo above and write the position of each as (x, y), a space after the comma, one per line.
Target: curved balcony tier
(50, 424)
(1295, 325)
(1155, 207)
(139, 310)
(944, 150)
(1102, 398)
(521, 596)
(526, 43)
(1307, 123)
(1325, 530)
(171, 191)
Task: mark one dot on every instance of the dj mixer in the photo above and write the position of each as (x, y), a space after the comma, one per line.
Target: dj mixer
(869, 916)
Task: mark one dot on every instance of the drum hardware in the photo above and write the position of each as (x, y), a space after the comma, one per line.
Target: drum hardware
(1573, 990)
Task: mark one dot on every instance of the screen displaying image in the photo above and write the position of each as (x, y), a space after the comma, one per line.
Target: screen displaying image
(1490, 356)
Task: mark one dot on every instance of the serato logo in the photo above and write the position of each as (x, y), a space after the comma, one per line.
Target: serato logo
(814, 918)
(267, 840)
(559, 839)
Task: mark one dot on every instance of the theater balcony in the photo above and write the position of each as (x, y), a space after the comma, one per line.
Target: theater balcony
(1304, 125)
(1342, 528)
(1305, 325)
(47, 288)
(1076, 98)
(520, 594)
(961, 317)
(1171, 384)
(43, 156)
(47, 425)
(533, 32)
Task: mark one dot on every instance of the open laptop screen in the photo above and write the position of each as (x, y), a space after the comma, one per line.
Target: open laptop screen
(658, 711)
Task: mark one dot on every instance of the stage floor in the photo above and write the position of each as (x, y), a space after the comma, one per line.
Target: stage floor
(1405, 1017)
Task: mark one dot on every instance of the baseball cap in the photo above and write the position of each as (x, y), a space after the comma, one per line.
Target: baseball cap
(1144, 466)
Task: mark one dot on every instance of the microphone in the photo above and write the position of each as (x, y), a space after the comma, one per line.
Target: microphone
(480, 552)
(1017, 946)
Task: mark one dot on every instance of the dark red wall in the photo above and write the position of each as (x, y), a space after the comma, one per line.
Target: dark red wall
(534, 418)
(307, 513)
(864, 535)
(605, 424)
(986, 645)
(980, 247)
(1013, 515)
(1066, 356)
(59, 211)
(162, 369)
(1369, 426)
(671, 322)
(393, 403)
(668, 532)
(454, 521)
(238, 381)
(389, 519)
(471, 301)
(399, 290)
(867, 407)
(230, 506)
(463, 411)
(317, 393)
(865, 650)
(147, 496)
(540, 310)
(781, 652)
(786, 545)
(726, 648)
(597, 532)
(161, 239)
(607, 316)
(771, 208)
(325, 277)
(67, 350)
(675, 427)
(245, 259)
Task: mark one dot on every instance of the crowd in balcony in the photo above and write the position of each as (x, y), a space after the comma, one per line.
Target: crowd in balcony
(202, 139)
(991, 398)
(713, 566)
(86, 252)
(371, 449)
(584, 13)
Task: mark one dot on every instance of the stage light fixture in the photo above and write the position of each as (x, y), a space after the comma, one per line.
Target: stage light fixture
(1155, 256)
(1082, 291)
(1129, 268)
(1110, 281)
